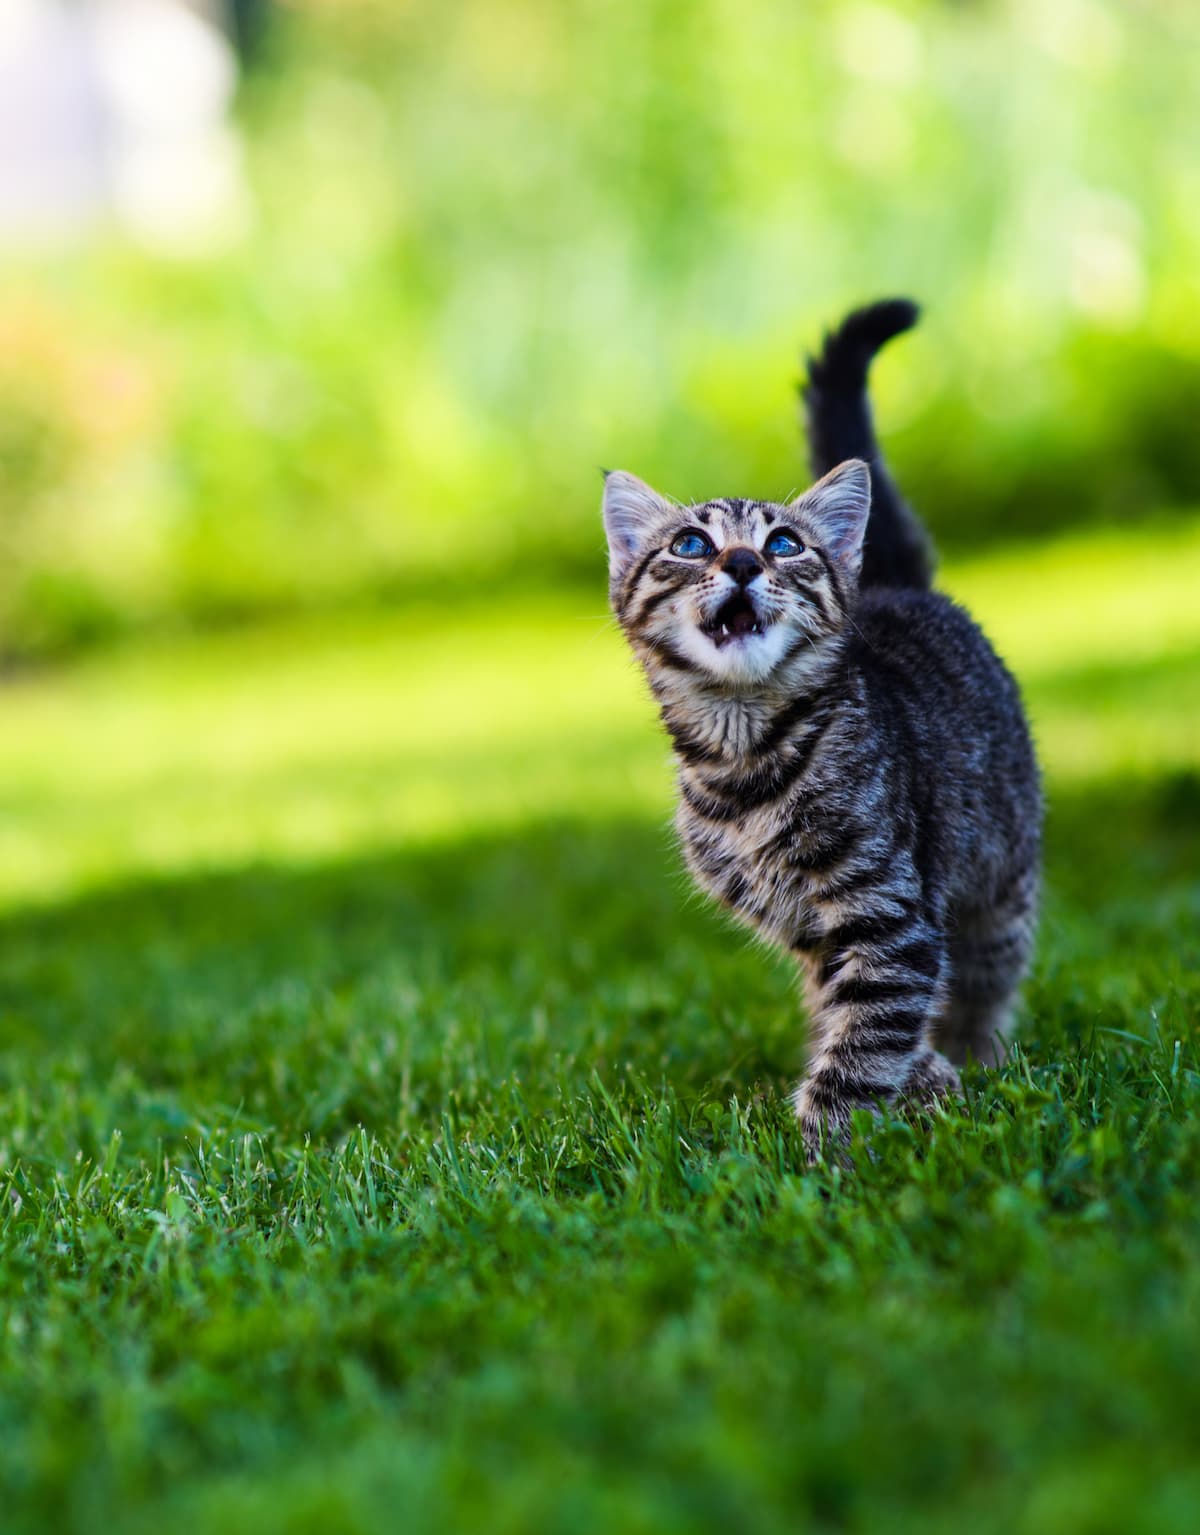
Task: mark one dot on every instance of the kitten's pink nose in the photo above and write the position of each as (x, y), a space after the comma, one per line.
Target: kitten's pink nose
(742, 564)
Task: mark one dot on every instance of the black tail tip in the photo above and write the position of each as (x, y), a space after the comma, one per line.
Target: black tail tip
(880, 321)
(847, 352)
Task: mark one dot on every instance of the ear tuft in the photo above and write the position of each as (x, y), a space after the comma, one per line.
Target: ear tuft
(630, 508)
(839, 506)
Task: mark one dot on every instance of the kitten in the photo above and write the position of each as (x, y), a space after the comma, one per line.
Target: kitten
(856, 777)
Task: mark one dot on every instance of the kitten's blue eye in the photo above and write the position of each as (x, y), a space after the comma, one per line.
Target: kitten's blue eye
(691, 546)
(783, 543)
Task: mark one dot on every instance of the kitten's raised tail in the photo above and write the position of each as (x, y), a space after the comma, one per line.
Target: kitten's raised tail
(897, 551)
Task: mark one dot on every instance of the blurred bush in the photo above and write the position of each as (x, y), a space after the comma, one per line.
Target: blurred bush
(495, 244)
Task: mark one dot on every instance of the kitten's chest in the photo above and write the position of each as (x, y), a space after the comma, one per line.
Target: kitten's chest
(746, 865)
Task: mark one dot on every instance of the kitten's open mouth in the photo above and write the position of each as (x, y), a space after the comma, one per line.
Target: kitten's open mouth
(735, 619)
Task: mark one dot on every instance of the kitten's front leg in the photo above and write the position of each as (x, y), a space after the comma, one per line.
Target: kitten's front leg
(874, 995)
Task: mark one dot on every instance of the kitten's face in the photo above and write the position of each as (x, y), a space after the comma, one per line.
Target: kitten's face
(736, 591)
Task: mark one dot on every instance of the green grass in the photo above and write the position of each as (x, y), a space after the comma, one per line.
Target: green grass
(389, 1140)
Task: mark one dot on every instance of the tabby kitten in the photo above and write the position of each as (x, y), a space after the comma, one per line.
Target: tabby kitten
(856, 776)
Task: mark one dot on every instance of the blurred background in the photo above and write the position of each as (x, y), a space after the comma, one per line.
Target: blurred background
(334, 303)
(318, 319)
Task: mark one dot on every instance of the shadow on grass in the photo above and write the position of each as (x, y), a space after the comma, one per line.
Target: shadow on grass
(381, 989)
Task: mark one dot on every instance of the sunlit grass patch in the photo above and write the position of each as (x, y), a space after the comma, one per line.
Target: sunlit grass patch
(1103, 630)
(1107, 597)
(309, 739)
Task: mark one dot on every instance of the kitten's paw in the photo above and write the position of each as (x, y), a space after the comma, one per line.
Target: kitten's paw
(932, 1077)
(824, 1114)
(824, 1108)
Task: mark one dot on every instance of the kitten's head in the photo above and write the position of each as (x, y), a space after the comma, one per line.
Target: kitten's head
(736, 591)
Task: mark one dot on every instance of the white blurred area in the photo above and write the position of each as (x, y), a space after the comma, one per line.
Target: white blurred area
(116, 112)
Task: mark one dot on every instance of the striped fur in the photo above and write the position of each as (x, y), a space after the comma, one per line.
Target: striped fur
(856, 778)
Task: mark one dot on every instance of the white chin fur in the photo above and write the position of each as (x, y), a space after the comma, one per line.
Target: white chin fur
(751, 659)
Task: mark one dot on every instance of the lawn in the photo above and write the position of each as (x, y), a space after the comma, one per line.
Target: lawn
(390, 1140)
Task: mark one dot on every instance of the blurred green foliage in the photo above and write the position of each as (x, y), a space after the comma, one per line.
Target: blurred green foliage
(493, 245)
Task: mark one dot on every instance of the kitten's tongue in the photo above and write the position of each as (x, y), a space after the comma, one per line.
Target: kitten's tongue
(733, 620)
(742, 622)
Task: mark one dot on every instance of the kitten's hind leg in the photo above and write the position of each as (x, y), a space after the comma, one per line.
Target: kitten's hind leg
(874, 995)
(989, 956)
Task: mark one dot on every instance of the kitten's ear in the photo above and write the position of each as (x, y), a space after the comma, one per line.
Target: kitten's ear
(839, 506)
(631, 508)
